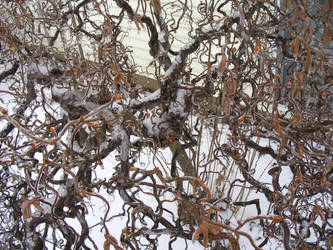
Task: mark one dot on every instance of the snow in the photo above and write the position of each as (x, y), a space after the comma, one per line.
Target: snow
(171, 69)
(244, 36)
(177, 107)
(62, 191)
(161, 37)
(155, 125)
(304, 228)
(178, 60)
(190, 44)
(58, 91)
(235, 14)
(134, 139)
(150, 97)
(31, 241)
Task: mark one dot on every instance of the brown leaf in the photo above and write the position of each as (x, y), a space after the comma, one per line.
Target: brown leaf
(36, 204)
(234, 243)
(320, 57)
(308, 60)
(296, 119)
(327, 35)
(110, 240)
(299, 177)
(286, 5)
(197, 233)
(78, 72)
(300, 13)
(138, 22)
(225, 87)
(219, 180)
(232, 87)
(281, 132)
(107, 28)
(205, 228)
(214, 229)
(283, 141)
(294, 47)
(317, 210)
(99, 51)
(299, 77)
(223, 62)
(308, 33)
(205, 234)
(226, 105)
(117, 78)
(26, 209)
(157, 6)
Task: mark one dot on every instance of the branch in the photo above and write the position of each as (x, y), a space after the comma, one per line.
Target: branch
(9, 72)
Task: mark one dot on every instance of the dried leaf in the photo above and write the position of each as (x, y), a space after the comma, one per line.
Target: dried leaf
(299, 77)
(299, 176)
(99, 51)
(157, 6)
(107, 28)
(110, 240)
(234, 243)
(214, 229)
(308, 33)
(232, 87)
(300, 13)
(283, 141)
(317, 210)
(78, 72)
(277, 218)
(26, 209)
(205, 228)
(225, 87)
(294, 47)
(308, 65)
(219, 180)
(296, 119)
(286, 5)
(106, 245)
(300, 153)
(138, 22)
(320, 57)
(277, 127)
(223, 62)
(205, 234)
(226, 105)
(327, 35)
(117, 78)
(36, 204)
(197, 232)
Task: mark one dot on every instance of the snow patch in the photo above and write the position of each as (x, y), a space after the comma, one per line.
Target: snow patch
(161, 37)
(151, 97)
(177, 107)
(62, 191)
